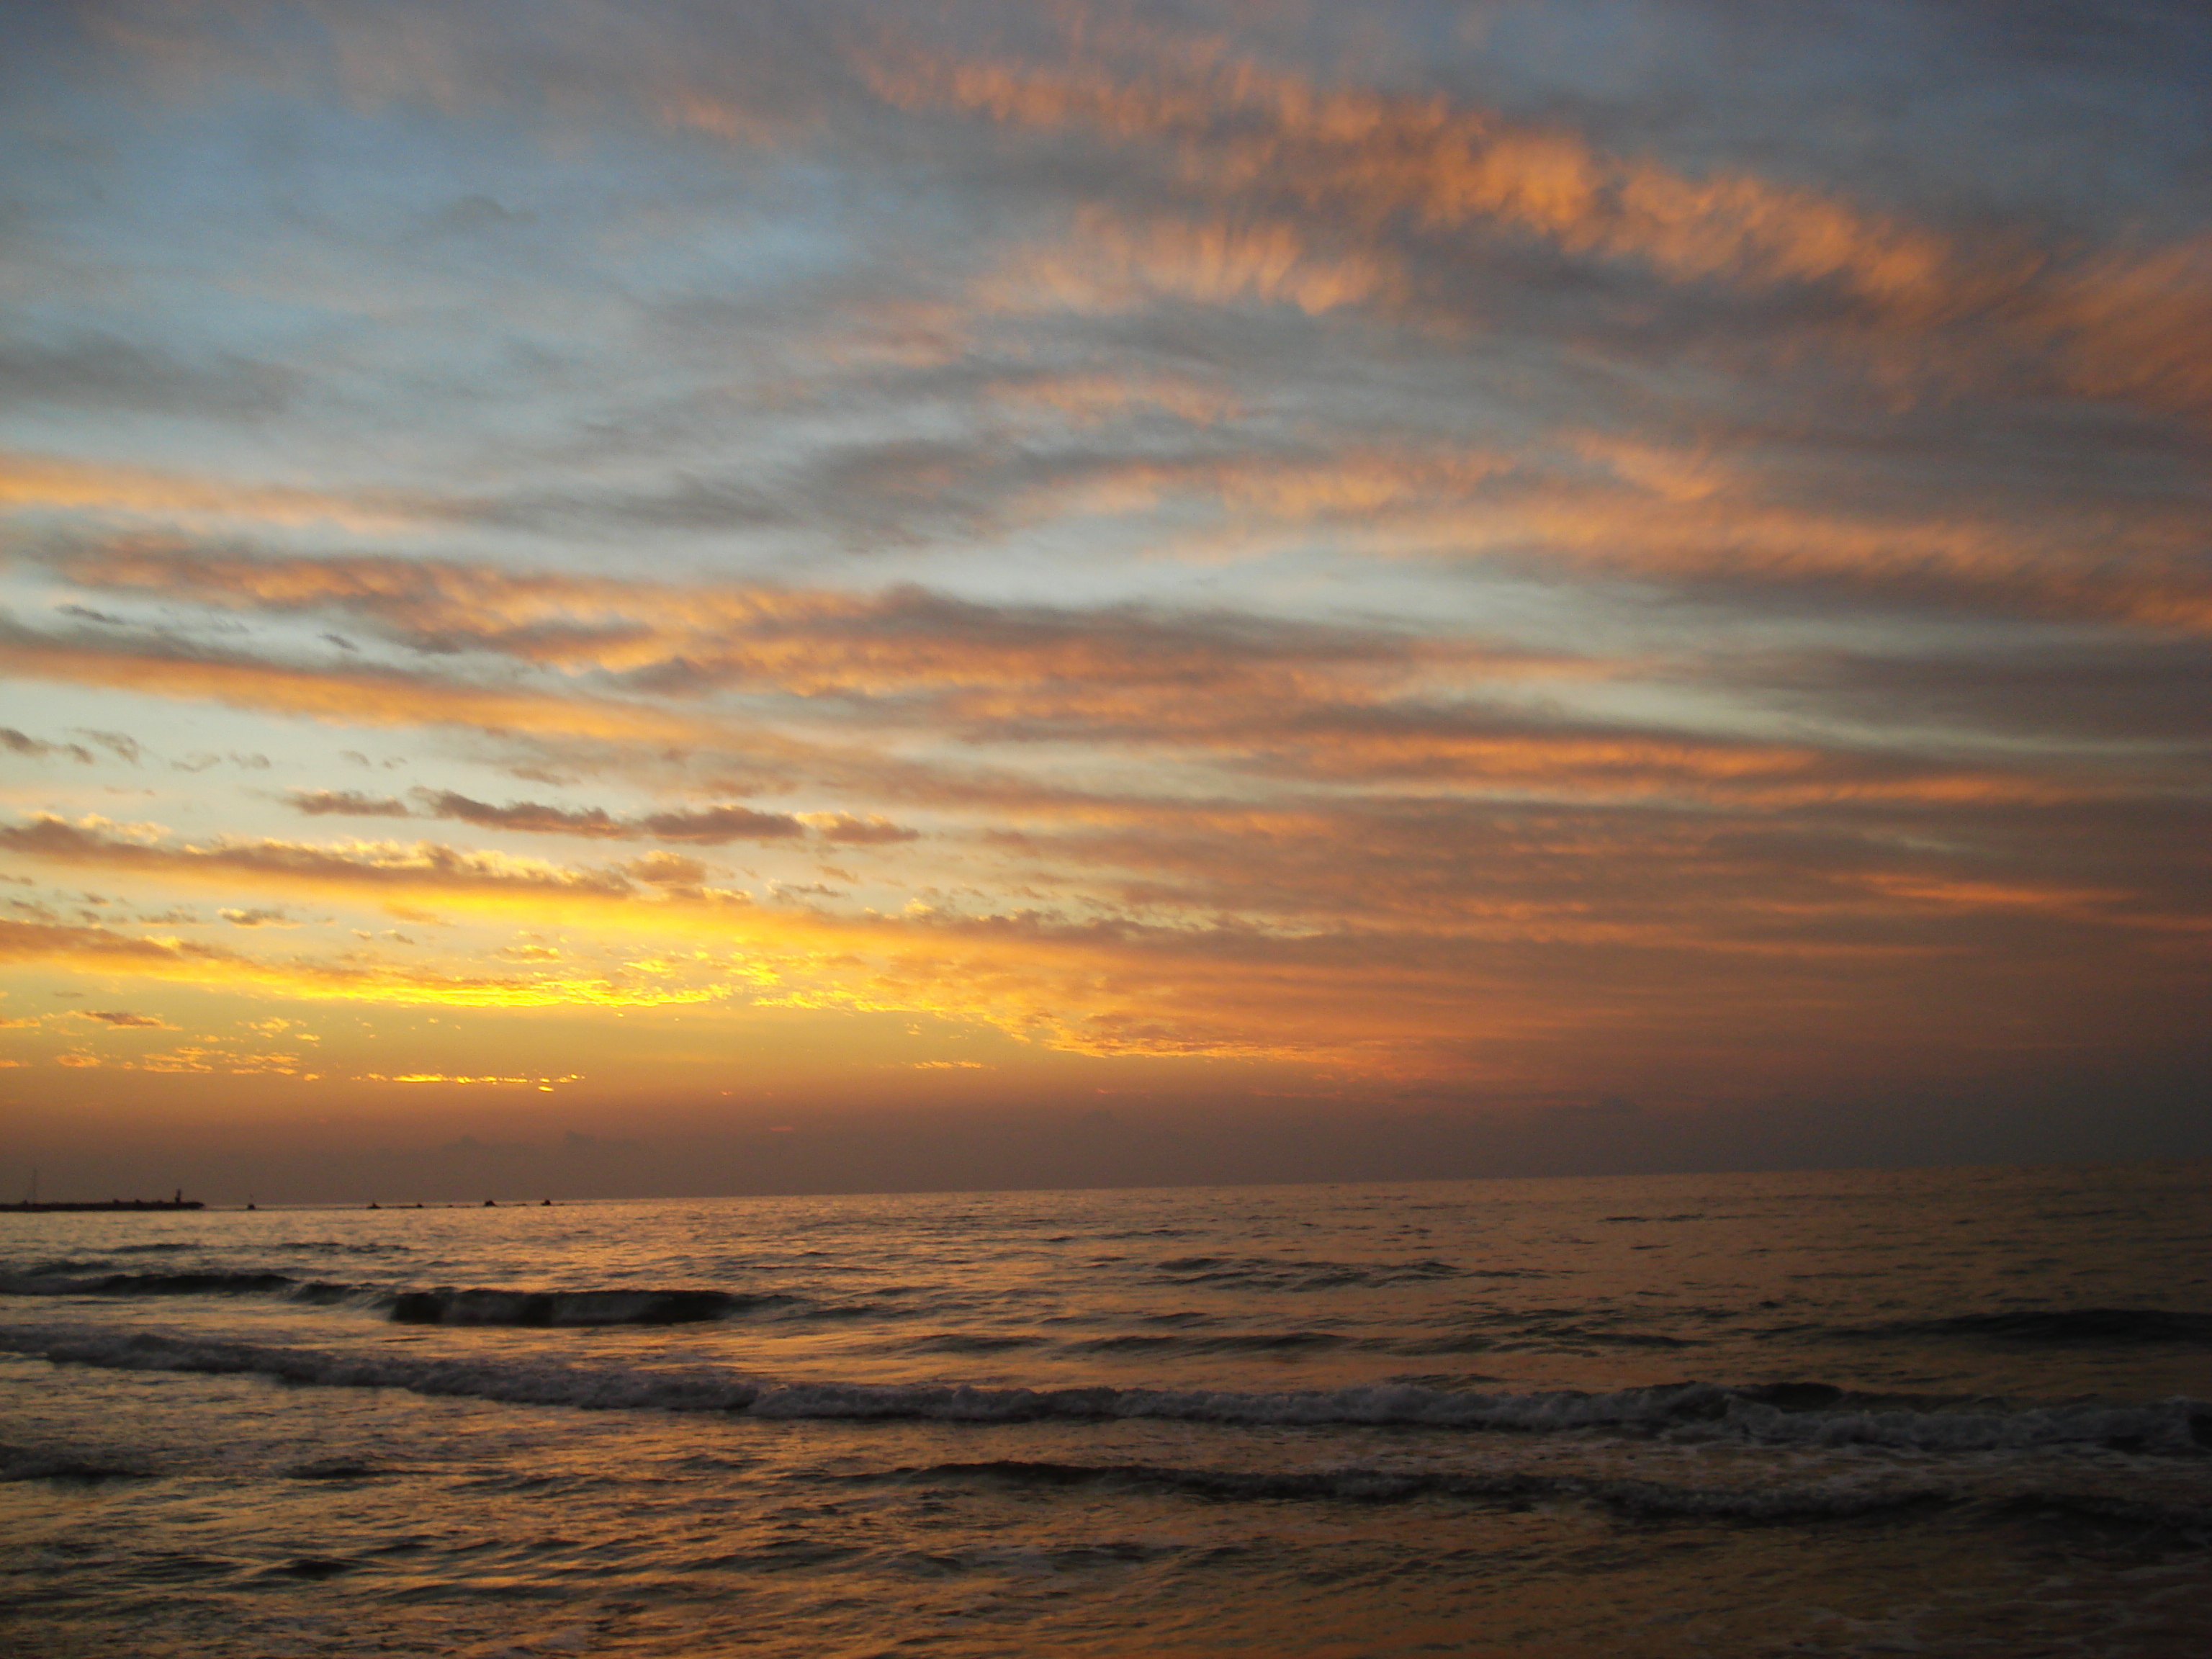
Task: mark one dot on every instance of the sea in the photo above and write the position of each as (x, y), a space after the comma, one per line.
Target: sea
(1936, 1412)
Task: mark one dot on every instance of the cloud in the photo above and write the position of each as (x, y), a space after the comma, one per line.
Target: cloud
(424, 866)
(103, 372)
(347, 803)
(121, 744)
(1376, 157)
(352, 697)
(100, 950)
(1108, 264)
(805, 642)
(1440, 560)
(120, 1019)
(667, 870)
(53, 483)
(532, 1080)
(713, 826)
(710, 826)
(1252, 696)
(526, 816)
(16, 742)
(868, 831)
(716, 826)
(1396, 168)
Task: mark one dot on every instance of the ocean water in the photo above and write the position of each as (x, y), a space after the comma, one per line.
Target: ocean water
(1937, 1412)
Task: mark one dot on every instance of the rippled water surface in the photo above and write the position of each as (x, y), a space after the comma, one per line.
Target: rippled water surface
(1957, 1411)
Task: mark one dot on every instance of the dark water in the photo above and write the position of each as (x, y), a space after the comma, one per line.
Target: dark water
(1936, 1412)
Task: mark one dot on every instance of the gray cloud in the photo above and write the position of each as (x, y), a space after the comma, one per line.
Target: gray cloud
(102, 371)
(715, 826)
(710, 826)
(348, 803)
(18, 743)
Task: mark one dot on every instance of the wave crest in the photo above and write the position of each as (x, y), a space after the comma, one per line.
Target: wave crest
(573, 1307)
(1810, 1418)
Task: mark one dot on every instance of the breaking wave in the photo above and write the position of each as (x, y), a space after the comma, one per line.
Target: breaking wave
(441, 1306)
(1800, 1415)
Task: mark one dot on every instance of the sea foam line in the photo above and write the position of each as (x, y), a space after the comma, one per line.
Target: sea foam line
(2177, 1427)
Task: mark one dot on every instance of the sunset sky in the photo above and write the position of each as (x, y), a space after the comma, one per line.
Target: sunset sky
(585, 575)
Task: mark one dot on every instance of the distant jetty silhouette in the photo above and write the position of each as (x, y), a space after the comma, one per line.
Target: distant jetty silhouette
(34, 1207)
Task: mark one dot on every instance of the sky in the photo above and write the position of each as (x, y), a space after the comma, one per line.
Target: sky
(675, 597)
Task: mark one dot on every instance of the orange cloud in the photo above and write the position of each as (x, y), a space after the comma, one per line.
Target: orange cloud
(49, 482)
(350, 697)
(810, 641)
(1372, 158)
(542, 1082)
(101, 951)
(425, 867)
(707, 826)
(1087, 399)
(1108, 264)
(2135, 326)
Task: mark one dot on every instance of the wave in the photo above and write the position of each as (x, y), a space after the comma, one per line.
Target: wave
(334, 1469)
(1228, 1342)
(1289, 1274)
(1795, 1415)
(316, 1291)
(2064, 1325)
(1695, 1215)
(575, 1308)
(1645, 1499)
(1561, 1328)
(2127, 1512)
(971, 1342)
(442, 1306)
(1568, 1338)
(51, 1269)
(23, 1463)
(183, 1283)
(105, 1262)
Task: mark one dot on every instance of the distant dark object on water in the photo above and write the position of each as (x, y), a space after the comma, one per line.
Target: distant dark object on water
(491, 1204)
(177, 1203)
